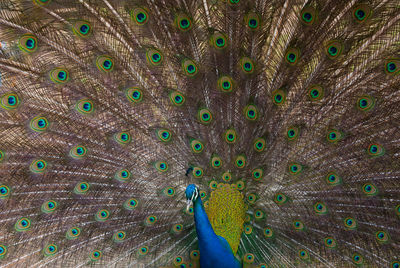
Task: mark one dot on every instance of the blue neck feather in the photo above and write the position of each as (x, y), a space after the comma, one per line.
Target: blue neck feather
(214, 250)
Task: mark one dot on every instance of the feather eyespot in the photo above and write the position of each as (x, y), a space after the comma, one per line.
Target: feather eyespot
(140, 16)
(28, 43)
(50, 250)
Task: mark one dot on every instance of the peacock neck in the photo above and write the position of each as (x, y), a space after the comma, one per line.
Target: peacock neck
(214, 250)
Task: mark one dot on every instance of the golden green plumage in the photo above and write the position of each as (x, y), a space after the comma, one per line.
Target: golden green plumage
(226, 211)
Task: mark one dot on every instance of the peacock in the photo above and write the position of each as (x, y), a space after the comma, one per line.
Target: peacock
(200, 133)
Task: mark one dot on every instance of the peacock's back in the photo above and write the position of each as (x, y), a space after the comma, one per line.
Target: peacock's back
(109, 109)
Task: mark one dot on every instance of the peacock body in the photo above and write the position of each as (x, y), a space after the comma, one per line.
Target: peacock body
(276, 121)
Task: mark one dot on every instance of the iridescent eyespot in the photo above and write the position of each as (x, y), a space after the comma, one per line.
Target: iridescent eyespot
(49, 206)
(250, 112)
(39, 124)
(395, 264)
(102, 215)
(139, 15)
(143, 251)
(95, 255)
(315, 92)
(230, 136)
(150, 220)
(197, 172)
(178, 260)
(280, 198)
(375, 149)
(73, 233)
(248, 229)
(292, 56)
(177, 228)
(240, 185)
(4, 191)
(320, 208)
(225, 84)
(397, 209)
(333, 179)
(213, 185)
(196, 146)
(177, 98)
(216, 161)
(292, 133)
(195, 255)
(183, 22)
(189, 67)
(278, 97)
(204, 115)
(262, 265)
(295, 169)
(154, 57)
(268, 233)
(105, 63)
(9, 101)
(203, 195)
(131, 204)
(350, 223)
(247, 65)
(233, 2)
(82, 28)
(161, 166)
(78, 152)
(226, 176)
(219, 40)
(22, 225)
(163, 135)
(330, 242)
(119, 236)
(38, 166)
(3, 251)
(259, 214)
(248, 257)
(333, 49)
(134, 94)
(252, 20)
(333, 136)
(42, 2)
(2, 155)
(252, 198)
(240, 161)
(257, 174)
(369, 189)
(84, 106)
(298, 225)
(304, 255)
(357, 259)
(392, 66)
(50, 250)
(308, 15)
(81, 188)
(59, 75)
(365, 103)
(169, 191)
(122, 175)
(259, 144)
(190, 211)
(361, 13)
(382, 237)
(28, 43)
(123, 138)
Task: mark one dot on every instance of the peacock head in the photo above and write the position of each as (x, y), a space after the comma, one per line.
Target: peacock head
(192, 193)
